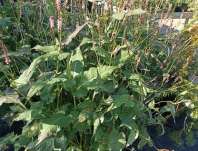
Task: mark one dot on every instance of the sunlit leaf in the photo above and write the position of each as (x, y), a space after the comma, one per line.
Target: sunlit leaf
(119, 15)
(26, 116)
(46, 49)
(138, 11)
(97, 122)
(11, 98)
(134, 134)
(45, 132)
(105, 71)
(27, 74)
(194, 114)
(35, 88)
(91, 74)
(63, 56)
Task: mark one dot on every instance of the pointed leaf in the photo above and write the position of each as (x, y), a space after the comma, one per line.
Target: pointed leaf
(45, 132)
(12, 98)
(27, 74)
(46, 49)
(35, 88)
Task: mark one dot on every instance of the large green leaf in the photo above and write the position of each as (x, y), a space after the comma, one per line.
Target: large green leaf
(124, 56)
(107, 86)
(133, 135)
(56, 80)
(11, 98)
(46, 131)
(123, 99)
(46, 49)
(117, 140)
(25, 116)
(76, 62)
(30, 115)
(105, 71)
(48, 94)
(41, 83)
(47, 144)
(80, 91)
(27, 74)
(96, 124)
(86, 40)
(63, 56)
(59, 119)
(91, 74)
(35, 88)
(69, 85)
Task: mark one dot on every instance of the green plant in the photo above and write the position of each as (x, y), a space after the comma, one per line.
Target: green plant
(101, 86)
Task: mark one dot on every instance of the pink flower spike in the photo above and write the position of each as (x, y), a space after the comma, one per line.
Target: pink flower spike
(7, 60)
(51, 21)
(58, 5)
(60, 22)
(5, 53)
